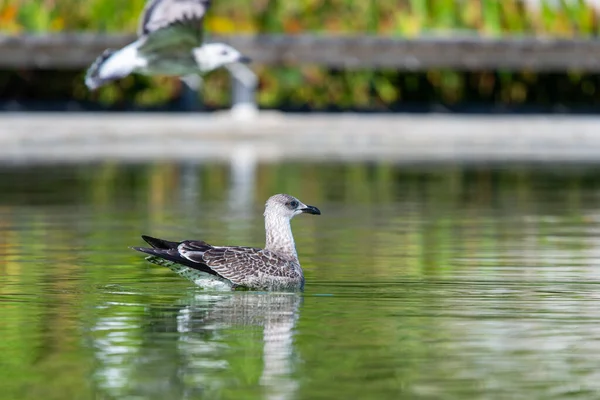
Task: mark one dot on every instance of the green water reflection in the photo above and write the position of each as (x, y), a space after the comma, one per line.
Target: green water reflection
(446, 282)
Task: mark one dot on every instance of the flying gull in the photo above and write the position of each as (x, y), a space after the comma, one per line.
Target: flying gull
(170, 42)
(276, 267)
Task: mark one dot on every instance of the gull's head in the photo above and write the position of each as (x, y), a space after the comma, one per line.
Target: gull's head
(214, 55)
(284, 205)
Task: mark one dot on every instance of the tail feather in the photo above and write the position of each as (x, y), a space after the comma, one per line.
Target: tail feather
(92, 77)
(167, 254)
(172, 254)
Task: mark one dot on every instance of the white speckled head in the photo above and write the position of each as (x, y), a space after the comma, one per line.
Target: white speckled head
(284, 205)
(279, 210)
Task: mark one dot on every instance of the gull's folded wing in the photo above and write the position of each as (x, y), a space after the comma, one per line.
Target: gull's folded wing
(239, 263)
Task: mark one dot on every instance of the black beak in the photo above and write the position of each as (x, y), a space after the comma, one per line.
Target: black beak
(244, 60)
(311, 210)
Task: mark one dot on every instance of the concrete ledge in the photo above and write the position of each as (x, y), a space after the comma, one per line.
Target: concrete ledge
(454, 51)
(273, 136)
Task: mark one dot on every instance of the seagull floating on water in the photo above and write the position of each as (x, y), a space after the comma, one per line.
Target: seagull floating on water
(276, 267)
(170, 42)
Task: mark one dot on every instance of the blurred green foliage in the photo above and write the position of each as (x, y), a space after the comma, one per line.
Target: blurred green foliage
(316, 87)
(386, 17)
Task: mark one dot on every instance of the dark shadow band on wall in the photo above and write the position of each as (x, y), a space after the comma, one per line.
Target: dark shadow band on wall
(296, 90)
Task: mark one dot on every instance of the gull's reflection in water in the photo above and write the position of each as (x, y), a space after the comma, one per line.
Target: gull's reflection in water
(207, 344)
(276, 313)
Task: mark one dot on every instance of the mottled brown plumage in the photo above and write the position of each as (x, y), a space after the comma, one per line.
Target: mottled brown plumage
(272, 268)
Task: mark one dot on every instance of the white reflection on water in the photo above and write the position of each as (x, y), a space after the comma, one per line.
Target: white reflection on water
(191, 350)
(276, 313)
(115, 346)
(243, 166)
(190, 185)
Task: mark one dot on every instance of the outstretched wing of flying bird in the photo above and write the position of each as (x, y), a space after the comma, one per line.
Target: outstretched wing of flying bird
(172, 25)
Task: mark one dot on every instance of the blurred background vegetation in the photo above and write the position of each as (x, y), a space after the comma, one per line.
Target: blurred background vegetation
(310, 87)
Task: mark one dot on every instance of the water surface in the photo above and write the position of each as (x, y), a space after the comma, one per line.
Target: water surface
(430, 282)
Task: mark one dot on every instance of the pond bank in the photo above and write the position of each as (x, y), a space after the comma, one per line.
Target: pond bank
(131, 137)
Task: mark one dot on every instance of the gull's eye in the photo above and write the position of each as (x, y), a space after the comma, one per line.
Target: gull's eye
(293, 204)
(224, 52)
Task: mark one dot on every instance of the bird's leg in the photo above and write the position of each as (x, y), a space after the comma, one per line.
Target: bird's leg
(192, 81)
(189, 97)
(244, 82)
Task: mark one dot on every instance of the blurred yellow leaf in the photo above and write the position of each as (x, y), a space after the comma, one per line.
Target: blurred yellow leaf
(8, 14)
(219, 24)
(409, 25)
(57, 24)
(8, 19)
(292, 26)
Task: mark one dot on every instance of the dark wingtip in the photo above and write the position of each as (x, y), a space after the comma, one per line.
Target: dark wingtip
(144, 250)
(157, 243)
(92, 81)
